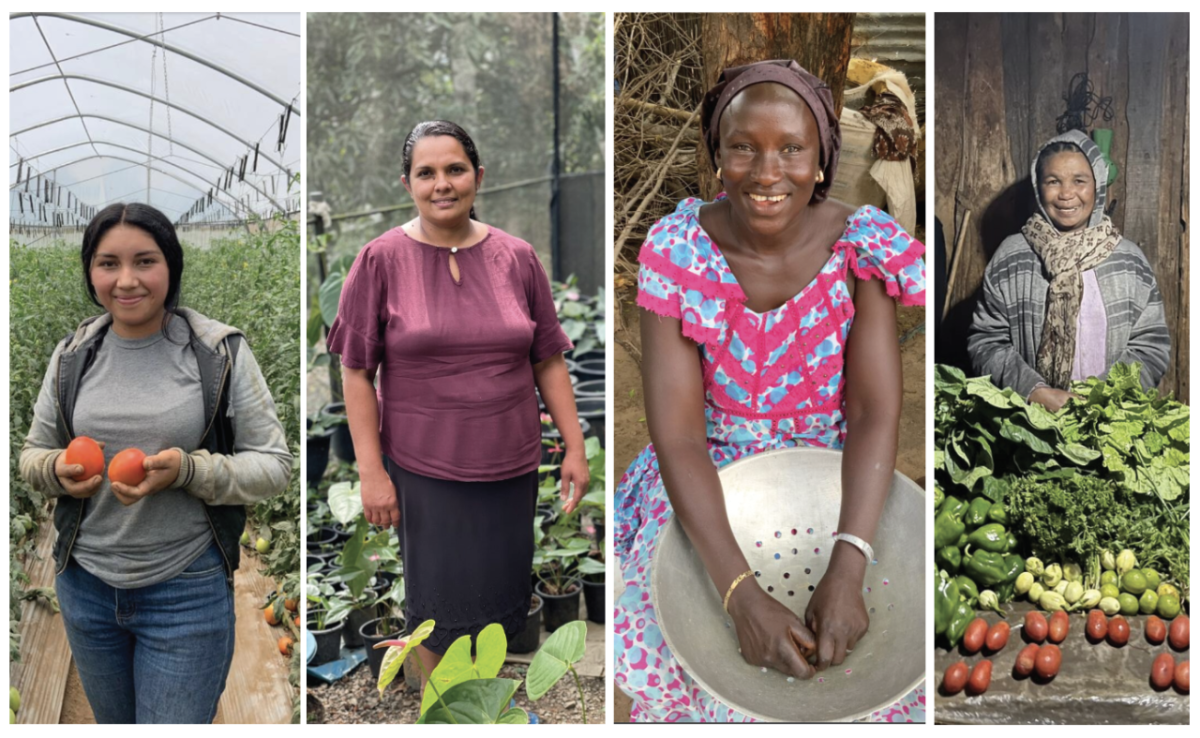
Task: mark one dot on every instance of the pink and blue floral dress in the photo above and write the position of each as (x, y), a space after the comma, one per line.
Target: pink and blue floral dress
(771, 380)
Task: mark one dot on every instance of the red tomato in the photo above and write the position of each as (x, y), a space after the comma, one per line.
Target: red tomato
(88, 454)
(1036, 627)
(126, 467)
(1118, 631)
(1097, 626)
(1156, 630)
(1183, 676)
(1049, 659)
(955, 678)
(1180, 634)
(1060, 623)
(981, 677)
(1162, 672)
(1026, 660)
(997, 636)
(972, 639)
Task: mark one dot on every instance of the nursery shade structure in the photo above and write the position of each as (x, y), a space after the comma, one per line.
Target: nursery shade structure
(196, 114)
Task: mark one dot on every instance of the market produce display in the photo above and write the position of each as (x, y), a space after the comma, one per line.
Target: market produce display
(1080, 513)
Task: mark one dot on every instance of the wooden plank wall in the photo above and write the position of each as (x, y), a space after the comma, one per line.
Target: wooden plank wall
(1000, 83)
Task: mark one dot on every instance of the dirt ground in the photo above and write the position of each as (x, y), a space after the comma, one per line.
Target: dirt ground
(629, 426)
(354, 699)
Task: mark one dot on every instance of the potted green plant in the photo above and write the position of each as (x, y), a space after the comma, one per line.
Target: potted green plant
(320, 431)
(528, 639)
(356, 568)
(325, 625)
(466, 690)
(389, 625)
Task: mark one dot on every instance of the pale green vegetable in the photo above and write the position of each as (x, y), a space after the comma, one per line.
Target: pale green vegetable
(1108, 560)
(1126, 561)
(1052, 601)
(1074, 592)
(1090, 599)
(1024, 583)
(1109, 606)
(989, 600)
(1052, 576)
(1035, 591)
(1034, 566)
(1061, 587)
(1072, 573)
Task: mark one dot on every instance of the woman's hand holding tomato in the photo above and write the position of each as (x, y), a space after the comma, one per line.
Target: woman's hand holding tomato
(574, 469)
(67, 473)
(836, 612)
(379, 499)
(162, 469)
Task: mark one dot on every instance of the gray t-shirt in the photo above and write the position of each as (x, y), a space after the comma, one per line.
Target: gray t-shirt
(142, 393)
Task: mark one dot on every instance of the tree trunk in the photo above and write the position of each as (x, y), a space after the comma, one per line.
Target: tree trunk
(819, 42)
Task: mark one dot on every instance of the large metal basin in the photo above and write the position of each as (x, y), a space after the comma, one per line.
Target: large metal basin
(783, 507)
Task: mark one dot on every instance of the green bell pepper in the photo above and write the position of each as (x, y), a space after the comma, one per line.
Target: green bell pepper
(945, 599)
(962, 540)
(998, 513)
(967, 591)
(954, 505)
(949, 558)
(1010, 542)
(987, 569)
(991, 537)
(1005, 591)
(938, 497)
(948, 524)
(977, 512)
(962, 616)
(1013, 566)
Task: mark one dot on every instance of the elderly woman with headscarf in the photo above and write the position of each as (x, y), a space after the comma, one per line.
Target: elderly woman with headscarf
(1067, 297)
(768, 322)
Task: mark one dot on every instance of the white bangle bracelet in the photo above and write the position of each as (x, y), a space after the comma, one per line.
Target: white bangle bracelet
(858, 543)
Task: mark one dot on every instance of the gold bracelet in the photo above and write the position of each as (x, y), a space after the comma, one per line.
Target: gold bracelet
(733, 586)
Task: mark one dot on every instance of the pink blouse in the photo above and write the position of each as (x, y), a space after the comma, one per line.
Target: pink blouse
(456, 384)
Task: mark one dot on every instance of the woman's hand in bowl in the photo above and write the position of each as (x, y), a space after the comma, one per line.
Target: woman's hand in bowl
(836, 612)
(66, 474)
(769, 634)
(162, 470)
(574, 470)
(379, 500)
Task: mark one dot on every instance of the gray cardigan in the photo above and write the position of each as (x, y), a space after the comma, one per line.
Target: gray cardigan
(1006, 329)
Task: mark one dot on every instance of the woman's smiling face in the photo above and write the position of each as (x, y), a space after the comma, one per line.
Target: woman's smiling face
(769, 156)
(1067, 189)
(131, 279)
(442, 182)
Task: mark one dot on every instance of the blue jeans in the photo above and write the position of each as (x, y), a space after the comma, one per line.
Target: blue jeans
(156, 654)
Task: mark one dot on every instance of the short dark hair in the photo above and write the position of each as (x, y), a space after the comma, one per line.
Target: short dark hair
(441, 128)
(145, 218)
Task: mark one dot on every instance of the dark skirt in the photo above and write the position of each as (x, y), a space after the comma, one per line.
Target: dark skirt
(467, 551)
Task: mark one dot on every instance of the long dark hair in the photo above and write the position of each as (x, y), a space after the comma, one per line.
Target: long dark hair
(154, 223)
(441, 128)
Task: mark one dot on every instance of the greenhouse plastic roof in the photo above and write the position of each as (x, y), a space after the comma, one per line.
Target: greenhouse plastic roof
(193, 113)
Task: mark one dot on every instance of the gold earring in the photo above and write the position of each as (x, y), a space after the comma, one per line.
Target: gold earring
(820, 177)
(718, 172)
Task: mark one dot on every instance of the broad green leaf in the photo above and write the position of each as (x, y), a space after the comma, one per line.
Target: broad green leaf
(1079, 454)
(514, 716)
(329, 295)
(477, 702)
(563, 648)
(588, 565)
(457, 665)
(345, 501)
(393, 658)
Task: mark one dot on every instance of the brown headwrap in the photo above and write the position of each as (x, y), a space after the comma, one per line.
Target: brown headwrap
(788, 73)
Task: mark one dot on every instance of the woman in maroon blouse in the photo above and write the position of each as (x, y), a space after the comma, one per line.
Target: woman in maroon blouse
(457, 319)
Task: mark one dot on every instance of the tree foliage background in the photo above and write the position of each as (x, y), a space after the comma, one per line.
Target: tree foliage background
(372, 77)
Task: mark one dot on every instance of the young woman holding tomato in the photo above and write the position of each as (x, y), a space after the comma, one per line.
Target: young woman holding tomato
(456, 320)
(175, 405)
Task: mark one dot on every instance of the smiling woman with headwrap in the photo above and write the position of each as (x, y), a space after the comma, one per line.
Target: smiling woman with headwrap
(1067, 297)
(748, 304)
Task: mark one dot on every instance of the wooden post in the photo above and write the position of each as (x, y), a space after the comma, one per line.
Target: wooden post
(819, 42)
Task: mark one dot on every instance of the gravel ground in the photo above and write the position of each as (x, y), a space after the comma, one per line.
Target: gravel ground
(355, 700)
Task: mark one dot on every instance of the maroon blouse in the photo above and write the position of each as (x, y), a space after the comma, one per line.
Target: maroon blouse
(456, 389)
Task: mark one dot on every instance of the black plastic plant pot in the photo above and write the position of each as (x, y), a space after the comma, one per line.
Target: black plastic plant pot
(559, 609)
(342, 534)
(355, 620)
(591, 369)
(329, 643)
(593, 355)
(593, 597)
(591, 409)
(590, 388)
(343, 444)
(370, 636)
(529, 639)
(316, 450)
(321, 539)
